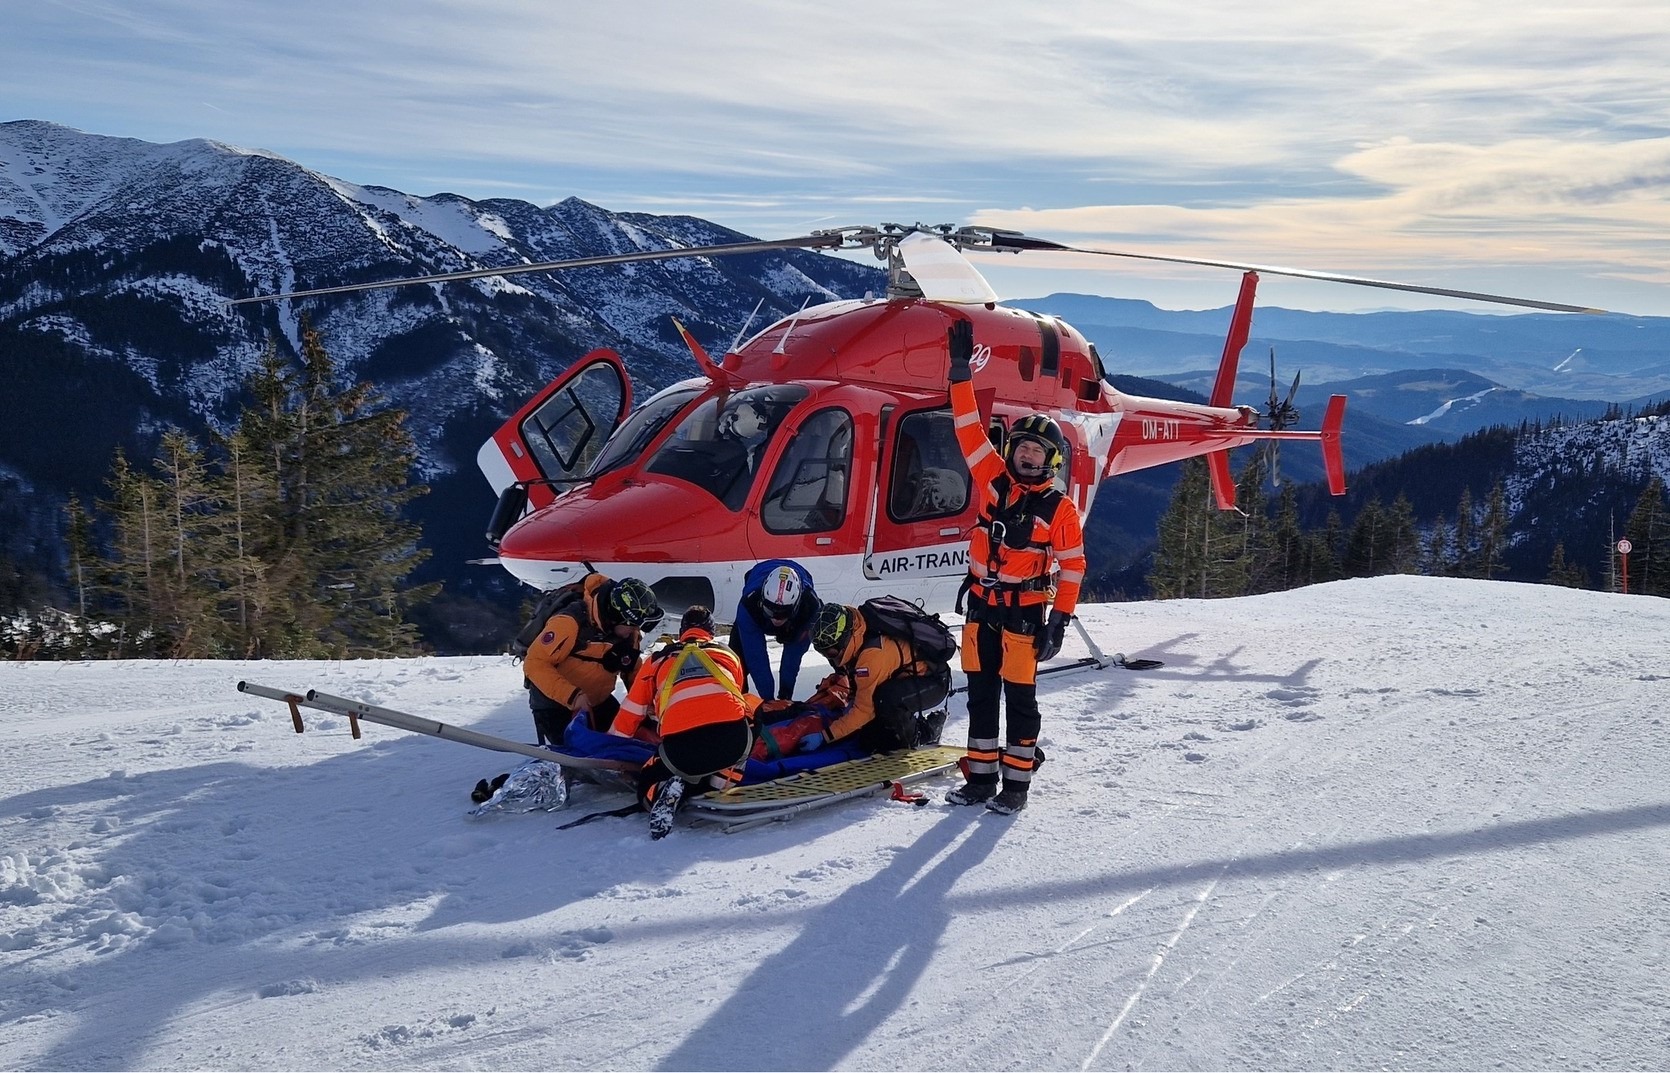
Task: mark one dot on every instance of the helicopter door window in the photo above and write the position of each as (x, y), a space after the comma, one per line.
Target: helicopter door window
(719, 448)
(562, 433)
(930, 478)
(808, 490)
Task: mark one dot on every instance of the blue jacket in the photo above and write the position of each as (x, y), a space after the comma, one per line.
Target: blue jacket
(753, 627)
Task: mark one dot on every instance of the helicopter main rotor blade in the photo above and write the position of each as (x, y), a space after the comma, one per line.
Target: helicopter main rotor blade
(815, 241)
(1010, 241)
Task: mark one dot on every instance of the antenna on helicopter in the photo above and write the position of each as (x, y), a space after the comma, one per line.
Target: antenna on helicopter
(783, 342)
(747, 324)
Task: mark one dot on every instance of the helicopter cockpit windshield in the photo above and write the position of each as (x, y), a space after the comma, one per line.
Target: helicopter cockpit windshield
(719, 444)
(631, 438)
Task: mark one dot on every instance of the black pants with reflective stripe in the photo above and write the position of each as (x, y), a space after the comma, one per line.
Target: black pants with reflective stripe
(986, 690)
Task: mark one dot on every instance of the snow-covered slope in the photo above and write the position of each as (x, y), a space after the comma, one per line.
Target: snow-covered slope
(1399, 823)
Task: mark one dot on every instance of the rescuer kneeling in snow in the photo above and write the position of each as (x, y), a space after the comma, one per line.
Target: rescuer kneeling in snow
(691, 692)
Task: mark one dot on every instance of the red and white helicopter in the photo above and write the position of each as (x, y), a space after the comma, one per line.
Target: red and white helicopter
(827, 437)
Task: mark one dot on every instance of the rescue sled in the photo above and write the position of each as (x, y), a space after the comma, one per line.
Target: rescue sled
(751, 805)
(772, 791)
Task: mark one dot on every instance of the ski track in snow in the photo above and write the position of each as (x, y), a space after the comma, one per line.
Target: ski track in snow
(1399, 823)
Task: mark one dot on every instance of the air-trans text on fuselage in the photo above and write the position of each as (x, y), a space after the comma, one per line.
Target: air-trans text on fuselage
(919, 562)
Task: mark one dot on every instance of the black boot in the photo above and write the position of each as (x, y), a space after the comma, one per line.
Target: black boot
(972, 793)
(485, 790)
(929, 728)
(1009, 802)
(668, 797)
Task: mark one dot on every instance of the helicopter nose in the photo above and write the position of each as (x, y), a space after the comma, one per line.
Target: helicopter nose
(664, 521)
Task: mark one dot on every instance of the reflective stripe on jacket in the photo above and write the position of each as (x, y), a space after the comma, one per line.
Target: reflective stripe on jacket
(690, 683)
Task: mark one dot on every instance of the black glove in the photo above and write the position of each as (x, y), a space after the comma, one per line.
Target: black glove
(1048, 639)
(960, 339)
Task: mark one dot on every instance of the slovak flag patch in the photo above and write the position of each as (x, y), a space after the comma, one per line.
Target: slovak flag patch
(861, 672)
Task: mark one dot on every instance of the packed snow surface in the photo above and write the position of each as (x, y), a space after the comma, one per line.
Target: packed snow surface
(1400, 823)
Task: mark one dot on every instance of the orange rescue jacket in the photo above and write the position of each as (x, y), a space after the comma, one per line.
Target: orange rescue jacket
(1002, 572)
(691, 683)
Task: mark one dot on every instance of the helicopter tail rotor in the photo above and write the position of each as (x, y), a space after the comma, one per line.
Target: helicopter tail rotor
(1280, 414)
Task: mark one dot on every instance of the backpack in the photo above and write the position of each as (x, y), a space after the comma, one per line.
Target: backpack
(927, 636)
(565, 598)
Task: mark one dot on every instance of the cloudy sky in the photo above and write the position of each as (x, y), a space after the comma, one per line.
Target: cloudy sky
(1521, 150)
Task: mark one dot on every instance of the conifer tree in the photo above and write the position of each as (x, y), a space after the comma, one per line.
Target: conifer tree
(1180, 558)
(1648, 530)
(1465, 523)
(128, 583)
(1366, 549)
(1493, 533)
(1438, 555)
(1326, 548)
(1253, 567)
(1286, 568)
(1404, 550)
(1561, 571)
(78, 536)
(187, 580)
(340, 549)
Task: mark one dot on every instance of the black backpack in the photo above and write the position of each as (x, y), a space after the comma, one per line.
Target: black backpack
(567, 598)
(920, 685)
(927, 636)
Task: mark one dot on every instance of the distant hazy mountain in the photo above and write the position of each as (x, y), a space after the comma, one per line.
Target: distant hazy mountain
(1547, 358)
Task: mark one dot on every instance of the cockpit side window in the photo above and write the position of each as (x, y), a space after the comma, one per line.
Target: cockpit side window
(718, 446)
(930, 478)
(808, 490)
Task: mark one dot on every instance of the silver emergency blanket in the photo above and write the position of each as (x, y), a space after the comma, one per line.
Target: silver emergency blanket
(536, 786)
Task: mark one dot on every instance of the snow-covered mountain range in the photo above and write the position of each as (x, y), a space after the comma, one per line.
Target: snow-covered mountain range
(117, 258)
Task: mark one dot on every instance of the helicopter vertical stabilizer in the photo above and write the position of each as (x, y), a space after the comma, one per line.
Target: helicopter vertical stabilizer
(1240, 324)
(1333, 461)
(1223, 485)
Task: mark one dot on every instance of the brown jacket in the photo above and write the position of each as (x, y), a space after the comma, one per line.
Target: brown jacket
(574, 661)
(869, 665)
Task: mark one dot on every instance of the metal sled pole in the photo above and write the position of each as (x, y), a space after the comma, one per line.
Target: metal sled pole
(1098, 658)
(372, 713)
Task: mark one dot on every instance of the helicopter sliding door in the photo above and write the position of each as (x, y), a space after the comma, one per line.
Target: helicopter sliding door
(920, 532)
(556, 436)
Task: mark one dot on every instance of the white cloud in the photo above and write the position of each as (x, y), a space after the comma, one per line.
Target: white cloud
(1431, 134)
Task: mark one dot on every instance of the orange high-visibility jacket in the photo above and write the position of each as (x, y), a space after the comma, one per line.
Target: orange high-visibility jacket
(691, 683)
(567, 660)
(1021, 574)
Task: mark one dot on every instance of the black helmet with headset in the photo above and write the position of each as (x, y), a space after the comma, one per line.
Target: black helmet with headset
(1042, 430)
